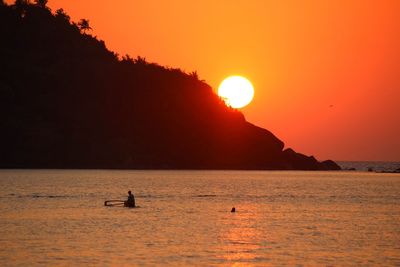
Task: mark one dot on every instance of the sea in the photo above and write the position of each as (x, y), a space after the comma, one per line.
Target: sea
(184, 218)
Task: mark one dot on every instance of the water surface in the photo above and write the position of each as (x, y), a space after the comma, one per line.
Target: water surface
(57, 217)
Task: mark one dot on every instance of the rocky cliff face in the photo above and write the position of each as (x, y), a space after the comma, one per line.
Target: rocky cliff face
(68, 102)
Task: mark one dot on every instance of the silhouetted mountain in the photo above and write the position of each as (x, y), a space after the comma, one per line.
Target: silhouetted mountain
(68, 102)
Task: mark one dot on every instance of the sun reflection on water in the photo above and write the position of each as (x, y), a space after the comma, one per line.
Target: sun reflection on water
(241, 240)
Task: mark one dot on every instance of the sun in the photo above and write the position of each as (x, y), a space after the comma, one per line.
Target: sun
(236, 91)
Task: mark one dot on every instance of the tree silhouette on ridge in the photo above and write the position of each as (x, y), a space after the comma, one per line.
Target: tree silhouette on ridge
(84, 25)
(41, 3)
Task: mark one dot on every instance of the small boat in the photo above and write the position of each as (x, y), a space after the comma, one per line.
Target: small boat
(114, 202)
(117, 203)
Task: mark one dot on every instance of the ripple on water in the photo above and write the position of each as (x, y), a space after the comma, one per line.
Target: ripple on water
(282, 218)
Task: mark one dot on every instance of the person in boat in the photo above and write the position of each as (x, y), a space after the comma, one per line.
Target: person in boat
(131, 200)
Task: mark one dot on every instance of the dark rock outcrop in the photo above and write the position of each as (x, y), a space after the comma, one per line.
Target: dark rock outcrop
(68, 102)
(330, 165)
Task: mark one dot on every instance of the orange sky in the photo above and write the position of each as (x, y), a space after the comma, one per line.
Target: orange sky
(326, 73)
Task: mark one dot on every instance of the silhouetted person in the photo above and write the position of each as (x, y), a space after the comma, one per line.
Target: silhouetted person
(131, 200)
(233, 209)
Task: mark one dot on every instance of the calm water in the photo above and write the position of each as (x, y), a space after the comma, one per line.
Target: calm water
(283, 218)
(378, 166)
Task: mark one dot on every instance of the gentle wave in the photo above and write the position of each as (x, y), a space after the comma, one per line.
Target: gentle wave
(12, 195)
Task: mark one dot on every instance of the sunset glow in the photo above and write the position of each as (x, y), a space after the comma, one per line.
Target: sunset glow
(200, 133)
(236, 91)
(325, 73)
